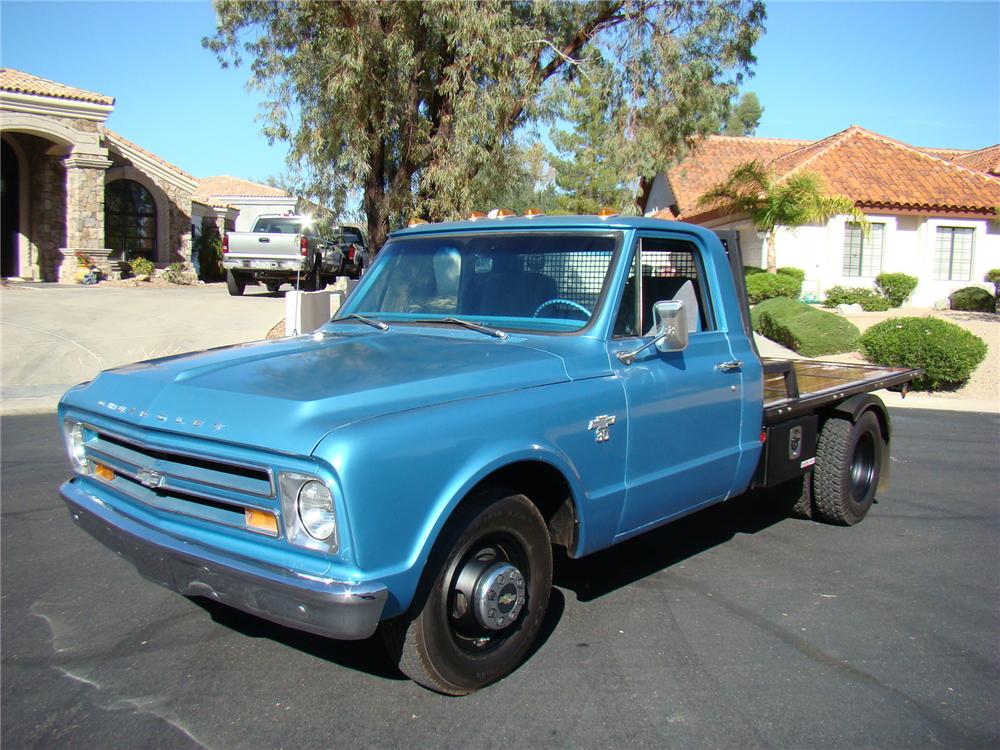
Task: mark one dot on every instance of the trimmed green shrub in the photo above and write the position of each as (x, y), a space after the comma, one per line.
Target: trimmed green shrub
(751, 270)
(763, 286)
(141, 267)
(896, 287)
(869, 299)
(993, 277)
(947, 353)
(796, 273)
(803, 328)
(971, 298)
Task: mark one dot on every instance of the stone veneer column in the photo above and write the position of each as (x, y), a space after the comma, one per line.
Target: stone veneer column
(84, 212)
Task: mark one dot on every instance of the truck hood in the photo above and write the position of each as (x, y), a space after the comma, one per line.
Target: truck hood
(286, 394)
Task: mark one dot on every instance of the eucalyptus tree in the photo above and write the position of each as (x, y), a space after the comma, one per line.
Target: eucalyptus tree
(771, 201)
(417, 103)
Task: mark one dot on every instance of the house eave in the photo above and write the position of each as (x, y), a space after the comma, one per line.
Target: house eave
(51, 106)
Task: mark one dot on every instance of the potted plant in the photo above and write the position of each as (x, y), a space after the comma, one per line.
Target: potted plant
(84, 266)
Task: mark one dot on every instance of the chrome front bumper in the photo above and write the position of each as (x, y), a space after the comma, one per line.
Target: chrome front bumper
(335, 609)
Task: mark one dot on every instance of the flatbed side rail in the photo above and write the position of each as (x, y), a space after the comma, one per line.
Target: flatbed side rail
(795, 387)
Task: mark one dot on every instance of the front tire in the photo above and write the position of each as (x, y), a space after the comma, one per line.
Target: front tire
(235, 284)
(848, 465)
(489, 577)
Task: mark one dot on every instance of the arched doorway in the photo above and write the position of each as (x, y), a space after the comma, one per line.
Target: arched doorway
(130, 219)
(10, 199)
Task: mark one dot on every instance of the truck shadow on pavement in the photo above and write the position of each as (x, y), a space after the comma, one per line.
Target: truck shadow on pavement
(589, 578)
(599, 574)
(368, 656)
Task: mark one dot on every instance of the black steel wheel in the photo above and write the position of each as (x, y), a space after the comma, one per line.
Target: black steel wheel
(273, 286)
(235, 283)
(848, 465)
(485, 595)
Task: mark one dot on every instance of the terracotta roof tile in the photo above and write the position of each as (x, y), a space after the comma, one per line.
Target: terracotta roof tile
(875, 171)
(18, 82)
(711, 161)
(236, 187)
(985, 159)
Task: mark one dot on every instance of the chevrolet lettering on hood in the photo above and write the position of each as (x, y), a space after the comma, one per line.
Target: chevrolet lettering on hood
(132, 411)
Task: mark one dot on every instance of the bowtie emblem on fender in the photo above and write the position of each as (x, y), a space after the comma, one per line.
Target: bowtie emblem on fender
(602, 427)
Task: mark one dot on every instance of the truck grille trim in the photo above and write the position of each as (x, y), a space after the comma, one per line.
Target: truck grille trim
(183, 472)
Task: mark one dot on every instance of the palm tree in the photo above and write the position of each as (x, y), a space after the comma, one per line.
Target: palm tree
(798, 199)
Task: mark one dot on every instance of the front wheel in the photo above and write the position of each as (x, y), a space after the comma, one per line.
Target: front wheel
(848, 464)
(235, 283)
(484, 606)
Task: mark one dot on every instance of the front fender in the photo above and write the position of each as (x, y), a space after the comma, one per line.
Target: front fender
(403, 475)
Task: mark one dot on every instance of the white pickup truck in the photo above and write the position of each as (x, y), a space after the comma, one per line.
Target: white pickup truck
(282, 249)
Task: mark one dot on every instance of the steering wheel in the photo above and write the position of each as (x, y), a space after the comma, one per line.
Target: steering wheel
(560, 301)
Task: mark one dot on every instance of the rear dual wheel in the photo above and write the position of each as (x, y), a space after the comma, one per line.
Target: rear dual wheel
(848, 465)
(481, 607)
(841, 486)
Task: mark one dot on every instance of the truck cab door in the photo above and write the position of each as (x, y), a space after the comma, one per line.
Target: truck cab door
(684, 407)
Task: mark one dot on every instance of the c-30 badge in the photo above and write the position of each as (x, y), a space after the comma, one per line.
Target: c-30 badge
(601, 426)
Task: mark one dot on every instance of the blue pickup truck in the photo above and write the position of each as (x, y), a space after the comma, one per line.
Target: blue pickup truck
(491, 389)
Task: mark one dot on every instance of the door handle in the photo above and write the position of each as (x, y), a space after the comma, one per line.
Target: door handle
(733, 365)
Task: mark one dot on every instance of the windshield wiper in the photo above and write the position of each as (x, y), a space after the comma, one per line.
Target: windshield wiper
(495, 332)
(368, 321)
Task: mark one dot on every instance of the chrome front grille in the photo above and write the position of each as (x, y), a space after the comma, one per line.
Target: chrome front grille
(207, 487)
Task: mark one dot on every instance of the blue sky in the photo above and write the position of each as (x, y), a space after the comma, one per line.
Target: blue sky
(925, 73)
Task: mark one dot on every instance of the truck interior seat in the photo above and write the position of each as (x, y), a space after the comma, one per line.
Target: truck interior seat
(516, 293)
(658, 289)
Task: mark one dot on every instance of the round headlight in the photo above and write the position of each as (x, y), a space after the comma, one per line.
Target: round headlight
(75, 446)
(316, 510)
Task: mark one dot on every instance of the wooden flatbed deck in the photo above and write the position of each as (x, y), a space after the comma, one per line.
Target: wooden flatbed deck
(797, 386)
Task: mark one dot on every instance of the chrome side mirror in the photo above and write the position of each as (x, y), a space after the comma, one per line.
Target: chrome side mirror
(671, 326)
(670, 333)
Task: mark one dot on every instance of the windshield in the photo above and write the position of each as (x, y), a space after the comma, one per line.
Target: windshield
(545, 282)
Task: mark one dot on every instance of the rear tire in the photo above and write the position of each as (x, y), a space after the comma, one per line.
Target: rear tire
(313, 282)
(235, 284)
(443, 642)
(794, 497)
(848, 464)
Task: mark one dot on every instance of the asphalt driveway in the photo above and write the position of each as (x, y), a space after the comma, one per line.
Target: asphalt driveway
(732, 628)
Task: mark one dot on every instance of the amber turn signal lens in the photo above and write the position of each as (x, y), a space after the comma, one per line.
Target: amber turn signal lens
(104, 472)
(261, 520)
(533, 212)
(605, 213)
(416, 222)
(476, 215)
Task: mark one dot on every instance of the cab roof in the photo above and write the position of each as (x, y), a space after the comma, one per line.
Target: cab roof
(550, 222)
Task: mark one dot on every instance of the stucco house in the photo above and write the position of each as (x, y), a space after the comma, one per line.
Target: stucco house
(71, 185)
(932, 210)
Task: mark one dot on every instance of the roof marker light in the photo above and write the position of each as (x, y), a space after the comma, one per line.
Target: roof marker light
(476, 215)
(416, 222)
(500, 213)
(607, 213)
(533, 212)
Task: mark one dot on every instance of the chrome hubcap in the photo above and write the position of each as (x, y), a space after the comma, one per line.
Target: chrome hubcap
(488, 595)
(499, 596)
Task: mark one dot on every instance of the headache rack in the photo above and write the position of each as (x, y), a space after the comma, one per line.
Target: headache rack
(798, 386)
